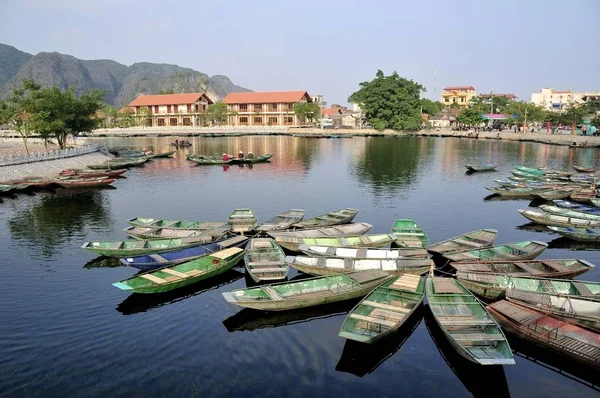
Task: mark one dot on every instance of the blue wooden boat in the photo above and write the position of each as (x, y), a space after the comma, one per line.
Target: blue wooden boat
(165, 259)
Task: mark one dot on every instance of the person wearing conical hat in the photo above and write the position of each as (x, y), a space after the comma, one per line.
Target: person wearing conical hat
(225, 157)
(240, 155)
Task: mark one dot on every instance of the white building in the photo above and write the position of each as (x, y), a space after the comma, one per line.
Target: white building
(559, 100)
(318, 99)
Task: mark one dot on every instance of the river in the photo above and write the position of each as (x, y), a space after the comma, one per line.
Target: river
(66, 331)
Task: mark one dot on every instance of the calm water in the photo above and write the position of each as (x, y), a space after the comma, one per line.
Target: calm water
(65, 331)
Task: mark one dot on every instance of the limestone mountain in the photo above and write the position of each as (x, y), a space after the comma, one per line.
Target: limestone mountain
(122, 83)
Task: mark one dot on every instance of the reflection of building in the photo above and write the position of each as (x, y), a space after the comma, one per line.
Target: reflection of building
(265, 108)
(460, 95)
(558, 100)
(170, 109)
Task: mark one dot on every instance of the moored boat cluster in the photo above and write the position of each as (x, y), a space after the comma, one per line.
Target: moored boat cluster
(388, 271)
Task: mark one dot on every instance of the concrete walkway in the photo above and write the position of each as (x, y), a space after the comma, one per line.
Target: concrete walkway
(50, 168)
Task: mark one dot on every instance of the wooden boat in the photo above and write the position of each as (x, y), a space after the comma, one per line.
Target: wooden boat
(481, 167)
(384, 310)
(517, 192)
(83, 173)
(530, 170)
(282, 221)
(572, 301)
(467, 241)
(343, 216)
(188, 253)
(409, 234)
(159, 155)
(117, 164)
(348, 252)
(258, 159)
(84, 182)
(181, 144)
(595, 202)
(545, 268)
(565, 204)
(488, 285)
(180, 275)
(242, 220)
(583, 195)
(173, 224)
(162, 233)
(559, 211)
(468, 327)
(379, 240)
(307, 292)
(578, 234)
(334, 231)
(582, 169)
(132, 247)
(208, 160)
(265, 260)
(552, 334)
(554, 194)
(338, 265)
(525, 250)
(557, 221)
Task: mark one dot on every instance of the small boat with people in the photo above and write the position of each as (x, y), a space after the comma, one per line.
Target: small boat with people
(265, 260)
(467, 241)
(181, 143)
(338, 217)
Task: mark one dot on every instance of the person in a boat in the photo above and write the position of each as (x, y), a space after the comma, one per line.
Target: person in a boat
(250, 155)
(240, 155)
(225, 157)
(176, 142)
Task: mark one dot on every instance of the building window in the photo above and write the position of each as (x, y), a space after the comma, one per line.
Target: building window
(244, 120)
(454, 99)
(287, 120)
(243, 107)
(168, 108)
(273, 120)
(173, 121)
(203, 107)
(446, 99)
(257, 107)
(272, 107)
(155, 108)
(189, 108)
(149, 110)
(288, 107)
(258, 120)
(187, 121)
(160, 122)
(148, 122)
(462, 99)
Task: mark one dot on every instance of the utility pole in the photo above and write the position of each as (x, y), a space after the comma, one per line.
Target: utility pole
(525, 120)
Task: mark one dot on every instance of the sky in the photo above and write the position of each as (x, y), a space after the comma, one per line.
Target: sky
(329, 47)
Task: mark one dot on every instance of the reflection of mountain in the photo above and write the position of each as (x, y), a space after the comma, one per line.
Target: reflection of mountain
(56, 217)
(143, 302)
(361, 359)
(249, 319)
(388, 164)
(566, 243)
(481, 381)
(557, 363)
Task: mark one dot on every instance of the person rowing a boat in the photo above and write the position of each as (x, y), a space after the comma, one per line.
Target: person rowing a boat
(225, 157)
(240, 155)
(250, 155)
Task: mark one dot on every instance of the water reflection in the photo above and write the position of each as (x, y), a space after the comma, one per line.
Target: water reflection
(136, 302)
(481, 381)
(361, 359)
(249, 319)
(56, 217)
(104, 262)
(535, 227)
(569, 244)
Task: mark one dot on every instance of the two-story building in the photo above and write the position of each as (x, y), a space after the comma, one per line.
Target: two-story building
(559, 100)
(460, 95)
(169, 109)
(265, 108)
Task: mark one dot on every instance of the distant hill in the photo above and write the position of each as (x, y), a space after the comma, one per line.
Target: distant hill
(122, 83)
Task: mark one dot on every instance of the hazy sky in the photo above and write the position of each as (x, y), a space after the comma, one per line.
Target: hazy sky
(328, 47)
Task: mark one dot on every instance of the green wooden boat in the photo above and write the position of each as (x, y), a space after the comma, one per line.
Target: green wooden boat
(469, 328)
(343, 216)
(569, 213)
(481, 167)
(337, 265)
(525, 250)
(159, 155)
(467, 241)
(258, 159)
(409, 234)
(118, 163)
(133, 247)
(13, 187)
(530, 170)
(351, 229)
(384, 310)
(517, 192)
(242, 220)
(282, 221)
(169, 233)
(361, 252)
(293, 244)
(173, 224)
(488, 285)
(557, 221)
(573, 301)
(307, 292)
(553, 194)
(184, 274)
(265, 260)
(578, 234)
(208, 160)
(545, 268)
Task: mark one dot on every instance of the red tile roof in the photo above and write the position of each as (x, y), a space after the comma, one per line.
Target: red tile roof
(169, 99)
(460, 88)
(331, 111)
(273, 97)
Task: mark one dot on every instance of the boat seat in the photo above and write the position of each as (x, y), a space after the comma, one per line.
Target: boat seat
(117, 245)
(267, 263)
(158, 258)
(174, 273)
(465, 322)
(555, 266)
(272, 293)
(466, 242)
(386, 306)
(265, 270)
(582, 288)
(154, 279)
(371, 319)
(527, 268)
(477, 336)
(195, 272)
(140, 244)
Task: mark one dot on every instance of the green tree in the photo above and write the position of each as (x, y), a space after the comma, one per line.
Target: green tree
(17, 110)
(217, 113)
(124, 117)
(454, 105)
(523, 112)
(390, 102)
(491, 104)
(431, 107)
(470, 116)
(596, 121)
(307, 111)
(574, 114)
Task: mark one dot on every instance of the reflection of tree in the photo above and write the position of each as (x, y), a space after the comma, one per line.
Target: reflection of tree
(388, 163)
(57, 217)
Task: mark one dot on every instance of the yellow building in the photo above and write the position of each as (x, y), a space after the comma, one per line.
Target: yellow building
(460, 95)
(162, 110)
(265, 108)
